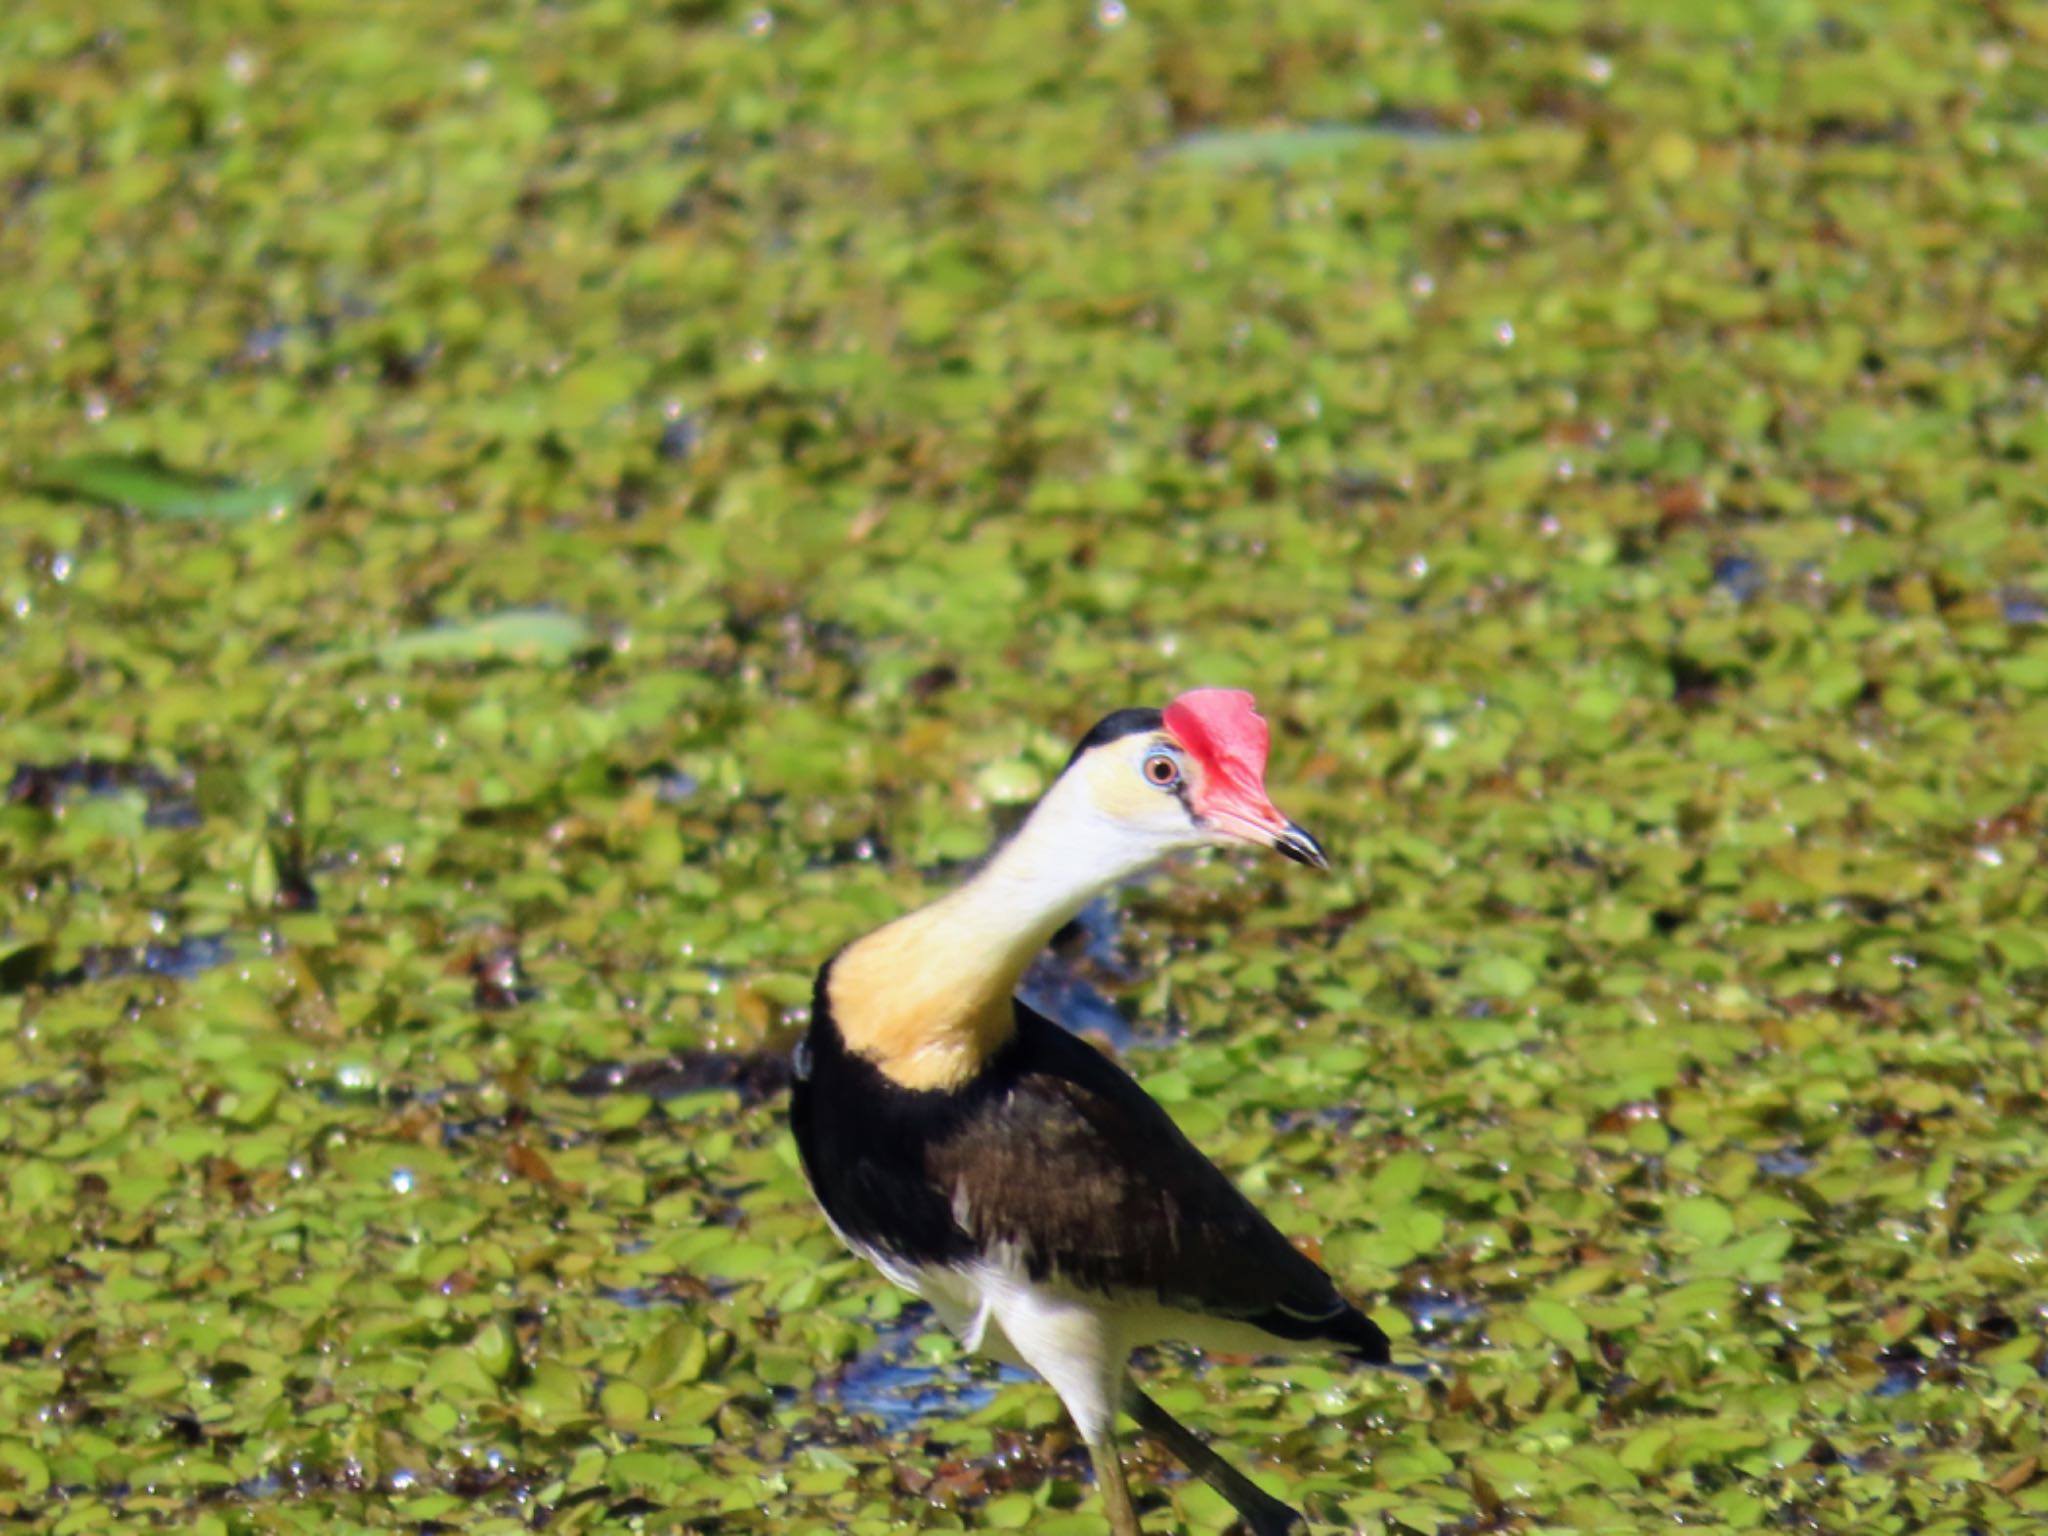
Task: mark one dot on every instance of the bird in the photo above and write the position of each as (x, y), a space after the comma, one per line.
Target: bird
(1009, 1172)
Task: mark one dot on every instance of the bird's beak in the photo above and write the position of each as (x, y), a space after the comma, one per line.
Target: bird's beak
(1263, 826)
(1296, 843)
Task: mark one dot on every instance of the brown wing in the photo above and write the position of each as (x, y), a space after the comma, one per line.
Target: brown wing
(1071, 1162)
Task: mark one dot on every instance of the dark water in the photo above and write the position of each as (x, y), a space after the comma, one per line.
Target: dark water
(892, 1385)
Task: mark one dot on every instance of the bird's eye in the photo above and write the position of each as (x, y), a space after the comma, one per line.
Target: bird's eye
(1161, 770)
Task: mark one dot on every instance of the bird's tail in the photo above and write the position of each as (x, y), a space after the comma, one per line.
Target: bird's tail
(1361, 1338)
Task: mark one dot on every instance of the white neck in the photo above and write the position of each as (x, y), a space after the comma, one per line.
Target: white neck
(929, 996)
(1064, 856)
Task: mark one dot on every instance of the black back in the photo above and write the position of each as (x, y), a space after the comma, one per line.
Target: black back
(1055, 1150)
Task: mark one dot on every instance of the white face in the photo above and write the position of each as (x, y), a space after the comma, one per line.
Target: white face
(1144, 789)
(1150, 796)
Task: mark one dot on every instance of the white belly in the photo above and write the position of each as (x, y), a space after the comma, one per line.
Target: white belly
(1079, 1341)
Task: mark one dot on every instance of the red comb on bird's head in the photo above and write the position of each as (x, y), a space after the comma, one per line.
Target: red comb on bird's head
(1223, 729)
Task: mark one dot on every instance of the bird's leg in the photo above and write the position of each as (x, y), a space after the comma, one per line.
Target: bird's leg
(1263, 1514)
(1116, 1493)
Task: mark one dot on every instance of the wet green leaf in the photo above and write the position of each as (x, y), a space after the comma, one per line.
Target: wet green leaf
(145, 484)
(1281, 147)
(1501, 976)
(24, 1469)
(533, 635)
(623, 1404)
(1704, 1220)
(1558, 1321)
